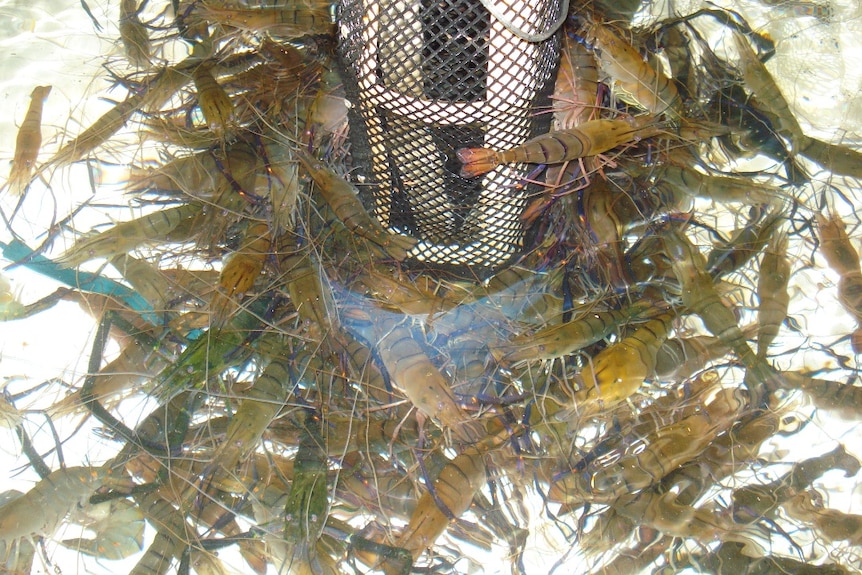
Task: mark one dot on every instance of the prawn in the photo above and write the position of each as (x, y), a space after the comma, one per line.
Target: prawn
(40, 511)
(832, 524)
(638, 83)
(28, 143)
(618, 371)
(564, 339)
(744, 244)
(240, 272)
(700, 296)
(119, 529)
(170, 539)
(412, 372)
(751, 502)
(138, 362)
(772, 292)
(343, 198)
(214, 102)
(760, 82)
(290, 20)
(680, 358)
(842, 399)
(134, 35)
(449, 497)
(719, 188)
(307, 504)
(97, 134)
(843, 258)
(588, 139)
(839, 159)
(576, 89)
(666, 449)
(145, 278)
(257, 409)
(126, 236)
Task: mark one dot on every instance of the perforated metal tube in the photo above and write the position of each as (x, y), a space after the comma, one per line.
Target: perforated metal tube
(427, 77)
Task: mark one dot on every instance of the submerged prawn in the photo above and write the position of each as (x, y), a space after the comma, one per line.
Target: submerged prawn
(638, 83)
(134, 35)
(343, 198)
(290, 20)
(28, 143)
(240, 272)
(843, 258)
(41, 510)
(564, 339)
(126, 236)
(214, 102)
(618, 371)
(448, 498)
(588, 139)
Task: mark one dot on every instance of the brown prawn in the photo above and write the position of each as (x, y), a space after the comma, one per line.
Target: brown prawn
(588, 139)
(636, 80)
(28, 143)
(342, 197)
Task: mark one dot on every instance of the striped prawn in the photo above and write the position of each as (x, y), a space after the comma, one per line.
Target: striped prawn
(588, 139)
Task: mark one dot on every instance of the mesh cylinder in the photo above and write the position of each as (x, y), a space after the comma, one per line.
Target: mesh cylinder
(426, 77)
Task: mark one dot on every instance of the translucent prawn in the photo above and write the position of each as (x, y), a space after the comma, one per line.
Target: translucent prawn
(289, 20)
(119, 529)
(343, 198)
(134, 35)
(567, 338)
(690, 182)
(449, 497)
(257, 409)
(97, 134)
(145, 278)
(772, 292)
(137, 363)
(28, 143)
(751, 502)
(663, 512)
(760, 82)
(638, 82)
(214, 102)
(308, 503)
(126, 236)
(727, 257)
(240, 272)
(588, 139)
(837, 397)
(412, 372)
(40, 511)
(842, 257)
(831, 524)
(170, 539)
(666, 449)
(576, 89)
(837, 158)
(681, 357)
(700, 296)
(617, 372)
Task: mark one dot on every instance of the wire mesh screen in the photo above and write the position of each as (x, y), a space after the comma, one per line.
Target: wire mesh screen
(427, 77)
